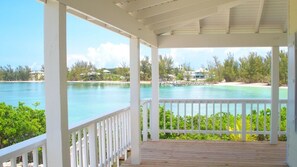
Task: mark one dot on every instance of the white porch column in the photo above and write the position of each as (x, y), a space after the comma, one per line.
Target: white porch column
(292, 91)
(274, 95)
(58, 154)
(135, 100)
(155, 95)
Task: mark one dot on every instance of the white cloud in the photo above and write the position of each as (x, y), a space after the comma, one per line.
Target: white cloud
(106, 55)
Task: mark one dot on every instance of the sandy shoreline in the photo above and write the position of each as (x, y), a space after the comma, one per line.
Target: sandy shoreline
(246, 84)
(149, 82)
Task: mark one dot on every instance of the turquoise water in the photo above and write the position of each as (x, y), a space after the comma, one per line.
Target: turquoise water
(86, 100)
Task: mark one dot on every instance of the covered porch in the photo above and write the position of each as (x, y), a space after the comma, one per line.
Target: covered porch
(103, 141)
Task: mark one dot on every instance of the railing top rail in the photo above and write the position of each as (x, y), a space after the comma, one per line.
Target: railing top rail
(221, 100)
(22, 147)
(88, 122)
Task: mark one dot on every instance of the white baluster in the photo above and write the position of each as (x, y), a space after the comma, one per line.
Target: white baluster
(206, 119)
(144, 122)
(103, 146)
(192, 117)
(221, 115)
(117, 139)
(73, 150)
(214, 118)
(110, 141)
(85, 149)
(199, 117)
(80, 149)
(25, 160)
(35, 157)
(44, 160)
(185, 117)
(93, 145)
(243, 135)
(13, 162)
(171, 112)
(258, 111)
(178, 117)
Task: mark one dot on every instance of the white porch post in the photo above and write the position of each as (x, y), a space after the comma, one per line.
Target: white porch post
(292, 91)
(274, 95)
(55, 84)
(155, 95)
(135, 100)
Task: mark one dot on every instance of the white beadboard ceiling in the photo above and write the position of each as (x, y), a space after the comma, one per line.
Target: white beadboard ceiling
(171, 17)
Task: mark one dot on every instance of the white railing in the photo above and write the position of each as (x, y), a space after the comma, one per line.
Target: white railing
(101, 141)
(104, 140)
(97, 142)
(31, 152)
(239, 117)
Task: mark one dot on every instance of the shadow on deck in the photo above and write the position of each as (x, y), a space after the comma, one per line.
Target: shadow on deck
(175, 153)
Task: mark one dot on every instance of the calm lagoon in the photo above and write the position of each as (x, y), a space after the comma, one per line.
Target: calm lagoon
(87, 100)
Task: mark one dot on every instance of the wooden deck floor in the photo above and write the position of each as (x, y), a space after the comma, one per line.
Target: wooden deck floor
(174, 153)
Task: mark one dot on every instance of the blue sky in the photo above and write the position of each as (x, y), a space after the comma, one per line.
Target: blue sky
(21, 41)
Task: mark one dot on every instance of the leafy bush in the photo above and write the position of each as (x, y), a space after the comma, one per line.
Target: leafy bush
(20, 123)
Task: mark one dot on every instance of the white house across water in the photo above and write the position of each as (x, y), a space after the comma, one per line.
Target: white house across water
(160, 24)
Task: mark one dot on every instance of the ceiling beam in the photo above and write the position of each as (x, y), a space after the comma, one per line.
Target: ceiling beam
(198, 27)
(185, 11)
(222, 40)
(185, 19)
(227, 12)
(141, 4)
(285, 29)
(108, 13)
(259, 15)
(220, 6)
(164, 8)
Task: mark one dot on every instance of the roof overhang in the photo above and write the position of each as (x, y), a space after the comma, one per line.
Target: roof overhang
(106, 14)
(190, 23)
(222, 40)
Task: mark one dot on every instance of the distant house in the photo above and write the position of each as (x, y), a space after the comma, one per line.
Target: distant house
(194, 75)
(201, 73)
(36, 75)
(106, 72)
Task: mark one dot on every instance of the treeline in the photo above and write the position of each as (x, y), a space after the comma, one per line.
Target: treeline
(250, 69)
(85, 71)
(21, 73)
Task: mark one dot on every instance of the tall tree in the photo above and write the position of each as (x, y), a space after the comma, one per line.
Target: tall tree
(145, 69)
(123, 71)
(283, 68)
(215, 70)
(1, 73)
(230, 69)
(252, 68)
(22, 73)
(165, 67)
(9, 74)
(81, 70)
